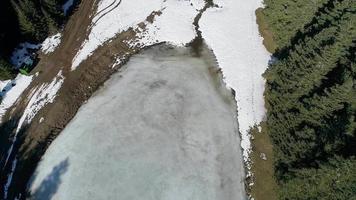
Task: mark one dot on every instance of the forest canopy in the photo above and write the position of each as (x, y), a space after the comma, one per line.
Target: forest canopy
(26, 20)
(311, 97)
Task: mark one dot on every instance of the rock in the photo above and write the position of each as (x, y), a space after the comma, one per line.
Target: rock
(263, 156)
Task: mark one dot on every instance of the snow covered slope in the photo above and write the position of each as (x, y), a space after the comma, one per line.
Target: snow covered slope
(232, 33)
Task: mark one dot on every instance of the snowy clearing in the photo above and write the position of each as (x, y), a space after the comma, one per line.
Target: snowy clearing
(51, 43)
(11, 91)
(173, 25)
(231, 31)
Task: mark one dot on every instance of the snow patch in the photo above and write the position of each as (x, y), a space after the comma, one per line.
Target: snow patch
(41, 96)
(66, 6)
(51, 43)
(23, 54)
(11, 90)
(9, 178)
(231, 31)
(174, 25)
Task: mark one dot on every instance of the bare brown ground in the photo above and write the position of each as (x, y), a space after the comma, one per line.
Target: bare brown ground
(78, 86)
(265, 185)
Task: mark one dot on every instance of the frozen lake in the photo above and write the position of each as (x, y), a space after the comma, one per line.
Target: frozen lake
(163, 128)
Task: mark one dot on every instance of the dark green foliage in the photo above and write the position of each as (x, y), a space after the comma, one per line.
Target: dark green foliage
(37, 18)
(285, 17)
(26, 20)
(6, 71)
(335, 180)
(311, 95)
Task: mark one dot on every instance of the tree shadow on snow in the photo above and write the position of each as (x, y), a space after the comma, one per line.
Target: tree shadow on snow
(49, 186)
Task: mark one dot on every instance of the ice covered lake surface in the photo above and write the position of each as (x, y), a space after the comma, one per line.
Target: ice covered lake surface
(163, 128)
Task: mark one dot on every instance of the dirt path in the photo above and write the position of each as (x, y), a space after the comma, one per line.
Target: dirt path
(77, 88)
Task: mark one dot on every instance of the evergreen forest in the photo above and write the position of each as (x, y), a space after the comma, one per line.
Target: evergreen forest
(311, 98)
(26, 20)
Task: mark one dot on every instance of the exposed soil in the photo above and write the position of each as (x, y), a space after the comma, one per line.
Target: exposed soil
(265, 32)
(78, 86)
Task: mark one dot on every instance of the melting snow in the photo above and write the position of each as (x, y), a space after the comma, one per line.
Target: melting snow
(51, 43)
(66, 6)
(231, 31)
(9, 178)
(22, 54)
(11, 90)
(41, 96)
(174, 25)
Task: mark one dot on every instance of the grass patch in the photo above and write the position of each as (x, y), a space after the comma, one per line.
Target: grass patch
(264, 30)
(265, 185)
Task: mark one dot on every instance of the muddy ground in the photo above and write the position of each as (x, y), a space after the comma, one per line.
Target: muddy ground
(78, 86)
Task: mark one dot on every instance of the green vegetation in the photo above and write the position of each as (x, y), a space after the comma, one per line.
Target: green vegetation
(264, 29)
(265, 185)
(26, 20)
(6, 71)
(286, 17)
(311, 98)
(335, 180)
(38, 18)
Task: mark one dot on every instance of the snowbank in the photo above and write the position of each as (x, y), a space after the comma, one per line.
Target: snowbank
(232, 33)
(51, 43)
(173, 25)
(11, 90)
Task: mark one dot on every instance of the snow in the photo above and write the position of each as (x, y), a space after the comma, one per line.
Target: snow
(66, 6)
(174, 25)
(11, 93)
(51, 43)
(164, 127)
(43, 95)
(22, 54)
(231, 31)
(9, 178)
(5, 86)
(40, 96)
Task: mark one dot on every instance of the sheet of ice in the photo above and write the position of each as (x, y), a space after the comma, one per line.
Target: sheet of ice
(112, 17)
(11, 92)
(231, 31)
(22, 54)
(51, 43)
(66, 6)
(163, 128)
